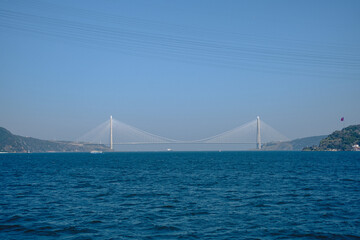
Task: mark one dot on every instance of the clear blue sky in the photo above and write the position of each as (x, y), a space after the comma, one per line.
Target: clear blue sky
(180, 69)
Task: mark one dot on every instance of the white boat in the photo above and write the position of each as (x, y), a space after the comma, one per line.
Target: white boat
(96, 152)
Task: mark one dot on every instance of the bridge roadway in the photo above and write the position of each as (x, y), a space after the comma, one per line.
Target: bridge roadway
(179, 142)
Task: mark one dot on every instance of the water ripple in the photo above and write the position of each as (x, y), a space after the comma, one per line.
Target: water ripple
(234, 195)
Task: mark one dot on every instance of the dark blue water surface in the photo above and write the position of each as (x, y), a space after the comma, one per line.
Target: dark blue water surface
(180, 195)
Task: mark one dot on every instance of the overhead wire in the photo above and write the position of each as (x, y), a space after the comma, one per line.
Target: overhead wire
(180, 46)
(120, 36)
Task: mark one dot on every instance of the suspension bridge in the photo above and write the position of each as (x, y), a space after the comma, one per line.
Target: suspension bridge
(113, 132)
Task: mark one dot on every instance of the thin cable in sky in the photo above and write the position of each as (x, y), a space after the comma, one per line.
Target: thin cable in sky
(178, 45)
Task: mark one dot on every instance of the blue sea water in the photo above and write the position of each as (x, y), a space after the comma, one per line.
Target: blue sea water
(180, 195)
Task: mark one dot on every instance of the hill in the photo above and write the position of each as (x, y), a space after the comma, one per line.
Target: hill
(293, 145)
(13, 143)
(343, 140)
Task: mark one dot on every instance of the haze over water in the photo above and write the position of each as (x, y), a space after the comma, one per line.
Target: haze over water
(181, 69)
(180, 195)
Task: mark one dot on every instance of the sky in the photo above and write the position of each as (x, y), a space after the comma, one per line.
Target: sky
(180, 69)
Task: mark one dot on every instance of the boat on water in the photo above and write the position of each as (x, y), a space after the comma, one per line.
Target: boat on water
(96, 152)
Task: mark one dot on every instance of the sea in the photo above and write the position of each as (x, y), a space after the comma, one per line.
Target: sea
(180, 195)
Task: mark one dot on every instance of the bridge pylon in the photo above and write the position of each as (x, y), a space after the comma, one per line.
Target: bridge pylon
(111, 134)
(258, 136)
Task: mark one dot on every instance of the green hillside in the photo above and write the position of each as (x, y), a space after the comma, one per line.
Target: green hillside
(339, 140)
(342, 140)
(19, 144)
(293, 145)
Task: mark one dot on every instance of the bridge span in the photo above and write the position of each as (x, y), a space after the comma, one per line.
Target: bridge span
(113, 133)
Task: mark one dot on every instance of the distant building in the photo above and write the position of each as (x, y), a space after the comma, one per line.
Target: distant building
(356, 147)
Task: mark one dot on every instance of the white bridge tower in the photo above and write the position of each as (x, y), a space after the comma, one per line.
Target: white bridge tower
(258, 136)
(111, 135)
